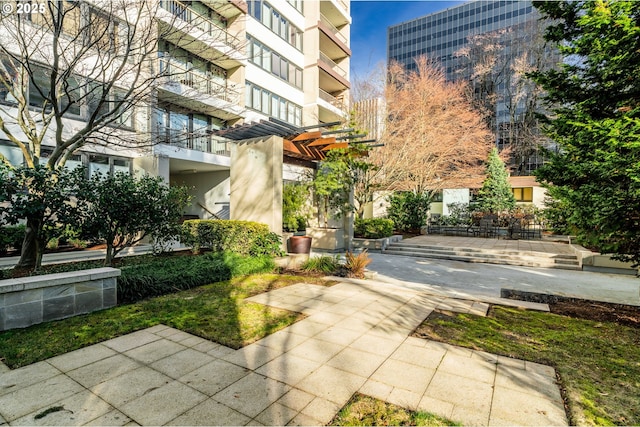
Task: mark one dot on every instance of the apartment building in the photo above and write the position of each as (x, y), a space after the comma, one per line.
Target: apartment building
(443, 36)
(211, 65)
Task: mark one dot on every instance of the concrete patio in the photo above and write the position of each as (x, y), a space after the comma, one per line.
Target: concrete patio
(355, 339)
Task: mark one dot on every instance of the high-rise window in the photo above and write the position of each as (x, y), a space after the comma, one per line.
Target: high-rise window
(268, 60)
(272, 19)
(260, 99)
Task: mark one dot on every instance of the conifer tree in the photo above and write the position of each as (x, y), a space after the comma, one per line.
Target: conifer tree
(495, 194)
(596, 122)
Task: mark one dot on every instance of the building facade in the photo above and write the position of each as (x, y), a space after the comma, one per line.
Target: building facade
(212, 64)
(491, 44)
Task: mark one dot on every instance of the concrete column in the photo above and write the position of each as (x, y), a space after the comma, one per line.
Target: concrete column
(154, 165)
(256, 181)
(347, 228)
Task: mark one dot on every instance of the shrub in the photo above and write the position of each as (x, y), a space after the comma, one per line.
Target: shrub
(162, 275)
(53, 243)
(123, 209)
(242, 237)
(408, 210)
(356, 264)
(374, 228)
(294, 199)
(269, 244)
(321, 264)
(11, 237)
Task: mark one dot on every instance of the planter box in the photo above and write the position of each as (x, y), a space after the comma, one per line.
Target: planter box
(375, 245)
(27, 301)
(291, 261)
(328, 239)
(604, 264)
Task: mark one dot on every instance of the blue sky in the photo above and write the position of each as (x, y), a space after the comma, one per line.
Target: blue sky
(370, 20)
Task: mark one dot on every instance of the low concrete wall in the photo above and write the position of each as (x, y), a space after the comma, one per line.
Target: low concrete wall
(30, 300)
(328, 239)
(601, 263)
(375, 245)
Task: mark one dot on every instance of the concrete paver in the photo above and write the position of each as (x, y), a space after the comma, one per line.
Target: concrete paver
(78, 410)
(252, 394)
(125, 388)
(354, 340)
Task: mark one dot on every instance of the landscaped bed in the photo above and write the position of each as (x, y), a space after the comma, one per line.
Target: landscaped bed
(594, 349)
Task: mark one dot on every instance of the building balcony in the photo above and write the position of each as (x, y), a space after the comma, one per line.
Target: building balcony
(228, 8)
(199, 91)
(337, 11)
(333, 77)
(332, 41)
(331, 108)
(198, 141)
(200, 35)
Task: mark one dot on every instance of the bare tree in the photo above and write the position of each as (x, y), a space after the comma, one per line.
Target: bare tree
(433, 137)
(73, 73)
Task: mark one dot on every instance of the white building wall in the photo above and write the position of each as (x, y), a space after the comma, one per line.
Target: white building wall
(457, 195)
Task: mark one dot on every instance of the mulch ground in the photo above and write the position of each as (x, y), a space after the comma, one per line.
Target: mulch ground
(627, 315)
(597, 311)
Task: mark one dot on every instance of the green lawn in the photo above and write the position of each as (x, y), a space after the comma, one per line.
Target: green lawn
(216, 312)
(366, 411)
(598, 362)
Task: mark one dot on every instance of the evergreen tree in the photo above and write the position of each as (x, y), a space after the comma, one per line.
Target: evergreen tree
(495, 194)
(596, 121)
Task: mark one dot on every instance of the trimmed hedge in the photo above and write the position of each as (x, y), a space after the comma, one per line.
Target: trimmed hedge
(373, 228)
(242, 237)
(163, 275)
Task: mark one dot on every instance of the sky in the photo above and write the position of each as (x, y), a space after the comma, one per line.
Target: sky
(370, 20)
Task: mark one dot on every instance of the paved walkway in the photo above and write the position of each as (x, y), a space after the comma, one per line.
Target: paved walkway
(355, 339)
(545, 246)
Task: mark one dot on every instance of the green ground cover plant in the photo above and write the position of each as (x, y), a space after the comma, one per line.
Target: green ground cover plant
(363, 410)
(322, 264)
(217, 312)
(597, 361)
(159, 276)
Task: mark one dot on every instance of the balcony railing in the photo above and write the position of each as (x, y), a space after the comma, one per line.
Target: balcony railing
(333, 29)
(336, 102)
(344, 4)
(200, 81)
(324, 58)
(204, 23)
(199, 141)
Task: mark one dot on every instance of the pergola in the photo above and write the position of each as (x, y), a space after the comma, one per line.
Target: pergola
(300, 144)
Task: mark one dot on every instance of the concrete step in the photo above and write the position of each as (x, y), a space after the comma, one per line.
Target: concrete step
(410, 246)
(527, 259)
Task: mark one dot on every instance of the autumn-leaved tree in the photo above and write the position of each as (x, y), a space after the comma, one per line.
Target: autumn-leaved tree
(72, 75)
(433, 137)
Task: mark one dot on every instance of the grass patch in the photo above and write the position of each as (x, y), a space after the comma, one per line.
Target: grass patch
(215, 312)
(598, 362)
(363, 410)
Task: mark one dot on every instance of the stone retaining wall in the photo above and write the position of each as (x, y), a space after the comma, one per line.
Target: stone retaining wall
(30, 300)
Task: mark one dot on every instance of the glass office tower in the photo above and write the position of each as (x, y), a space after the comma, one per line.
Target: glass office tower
(442, 36)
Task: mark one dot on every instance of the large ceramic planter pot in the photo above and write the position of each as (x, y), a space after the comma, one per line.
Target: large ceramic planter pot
(299, 245)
